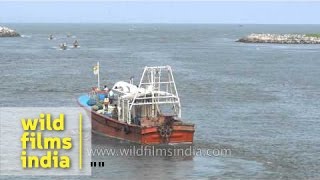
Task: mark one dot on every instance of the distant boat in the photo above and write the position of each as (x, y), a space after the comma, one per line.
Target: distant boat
(147, 114)
(50, 37)
(76, 44)
(63, 46)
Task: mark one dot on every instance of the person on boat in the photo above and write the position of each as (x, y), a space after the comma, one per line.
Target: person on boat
(50, 37)
(95, 89)
(105, 103)
(75, 44)
(63, 46)
(131, 79)
(111, 96)
(106, 89)
(115, 112)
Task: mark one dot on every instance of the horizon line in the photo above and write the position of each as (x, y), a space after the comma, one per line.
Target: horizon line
(159, 23)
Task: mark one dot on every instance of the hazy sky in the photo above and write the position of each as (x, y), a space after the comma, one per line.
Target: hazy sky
(161, 12)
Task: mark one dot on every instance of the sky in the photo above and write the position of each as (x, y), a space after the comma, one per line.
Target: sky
(250, 12)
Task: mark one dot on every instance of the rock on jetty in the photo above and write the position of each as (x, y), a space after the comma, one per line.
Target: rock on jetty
(281, 39)
(6, 32)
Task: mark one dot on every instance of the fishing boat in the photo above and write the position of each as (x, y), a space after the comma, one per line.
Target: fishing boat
(75, 44)
(63, 46)
(50, 37)
(148, 113)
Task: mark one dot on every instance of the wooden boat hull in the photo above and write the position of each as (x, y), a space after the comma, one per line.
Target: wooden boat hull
(181, 133)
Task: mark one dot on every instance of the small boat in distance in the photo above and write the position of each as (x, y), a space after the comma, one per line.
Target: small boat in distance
(63, 46)
(50, 37)
(75, 44)
(149, 113)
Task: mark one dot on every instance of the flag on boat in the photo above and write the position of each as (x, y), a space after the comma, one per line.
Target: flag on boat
(96, 69)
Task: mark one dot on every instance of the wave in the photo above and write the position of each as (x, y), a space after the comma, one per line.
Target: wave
(26, 36)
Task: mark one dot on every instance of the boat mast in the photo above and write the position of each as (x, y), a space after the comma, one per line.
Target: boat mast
(98, 64)
(154, 80)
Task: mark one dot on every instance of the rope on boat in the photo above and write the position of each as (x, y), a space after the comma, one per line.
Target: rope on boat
(165, 132)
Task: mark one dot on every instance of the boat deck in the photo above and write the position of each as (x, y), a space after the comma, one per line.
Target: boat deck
(144, 122)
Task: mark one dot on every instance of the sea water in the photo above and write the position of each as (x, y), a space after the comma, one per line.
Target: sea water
(261, 101)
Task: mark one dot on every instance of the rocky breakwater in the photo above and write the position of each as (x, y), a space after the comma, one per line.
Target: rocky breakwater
(6, 32)
(282, 38)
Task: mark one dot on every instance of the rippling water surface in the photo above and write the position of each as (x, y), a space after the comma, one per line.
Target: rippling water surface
(262, 101)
